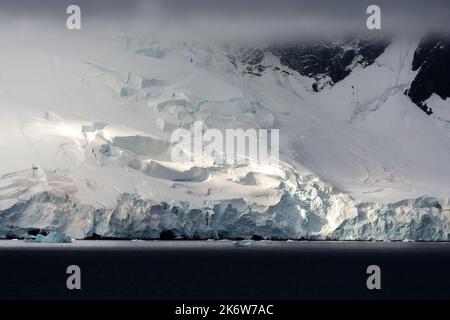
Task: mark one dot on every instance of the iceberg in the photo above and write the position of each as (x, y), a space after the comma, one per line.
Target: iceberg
(53, 237)
(243, 244)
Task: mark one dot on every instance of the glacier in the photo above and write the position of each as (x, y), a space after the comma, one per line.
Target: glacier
(86, 152)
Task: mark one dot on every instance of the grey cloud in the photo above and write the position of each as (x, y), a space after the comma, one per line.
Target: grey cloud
(236, 17)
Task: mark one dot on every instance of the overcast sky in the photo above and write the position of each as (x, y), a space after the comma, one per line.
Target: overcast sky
(232, 17)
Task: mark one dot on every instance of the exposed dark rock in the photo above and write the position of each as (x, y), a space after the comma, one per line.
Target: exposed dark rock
(334, 60)
(327, 62)
(432, 59)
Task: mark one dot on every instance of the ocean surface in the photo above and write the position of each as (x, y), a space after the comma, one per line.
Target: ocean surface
(187, 270)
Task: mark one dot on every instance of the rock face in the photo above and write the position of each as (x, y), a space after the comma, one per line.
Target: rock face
(432, 61)
(330, 62)
(326, 62)
(333, 60)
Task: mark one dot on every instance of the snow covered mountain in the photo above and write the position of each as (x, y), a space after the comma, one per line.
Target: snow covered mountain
(86, 139)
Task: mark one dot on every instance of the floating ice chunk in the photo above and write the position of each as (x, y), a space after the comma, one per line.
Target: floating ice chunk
(53, 237)
(243, 244)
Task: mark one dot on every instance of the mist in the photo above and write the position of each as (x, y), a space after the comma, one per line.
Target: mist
(233, 20)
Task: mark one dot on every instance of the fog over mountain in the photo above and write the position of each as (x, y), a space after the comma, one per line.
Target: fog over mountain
(238, 19)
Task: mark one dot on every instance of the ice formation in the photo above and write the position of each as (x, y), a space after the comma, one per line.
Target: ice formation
(86, 151)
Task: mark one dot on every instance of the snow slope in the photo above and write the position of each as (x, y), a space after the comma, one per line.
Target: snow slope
(85, 147)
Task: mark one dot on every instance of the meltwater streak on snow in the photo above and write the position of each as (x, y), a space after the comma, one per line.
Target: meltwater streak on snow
(88, 154)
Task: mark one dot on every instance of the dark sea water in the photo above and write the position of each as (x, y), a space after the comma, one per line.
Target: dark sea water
(219, 270)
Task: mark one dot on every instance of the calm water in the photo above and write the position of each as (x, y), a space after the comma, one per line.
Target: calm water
(219, 270)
